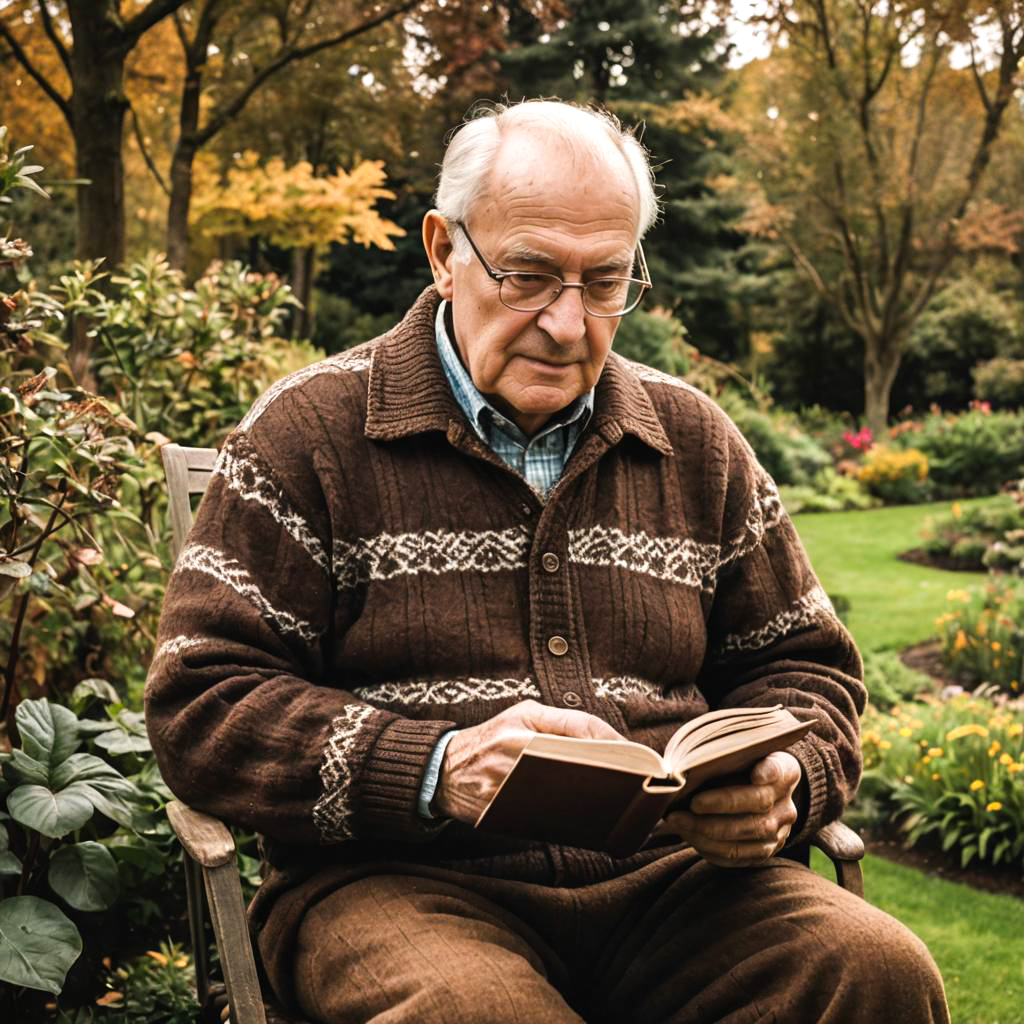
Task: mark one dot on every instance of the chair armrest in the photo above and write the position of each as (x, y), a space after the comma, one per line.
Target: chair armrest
(839, 842)
(206, 840)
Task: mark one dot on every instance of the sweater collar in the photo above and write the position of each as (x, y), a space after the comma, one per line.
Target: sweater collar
(409, 394)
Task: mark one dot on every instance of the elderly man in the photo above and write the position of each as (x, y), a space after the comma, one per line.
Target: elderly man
(417, 554)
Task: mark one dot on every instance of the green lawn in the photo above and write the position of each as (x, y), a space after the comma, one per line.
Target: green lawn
(977, 938)
(893, 603)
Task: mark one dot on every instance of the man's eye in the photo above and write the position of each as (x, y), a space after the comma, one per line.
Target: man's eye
(605, 286)
(528, 280)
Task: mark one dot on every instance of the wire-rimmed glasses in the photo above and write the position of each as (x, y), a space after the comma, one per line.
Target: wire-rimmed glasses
(530, 292)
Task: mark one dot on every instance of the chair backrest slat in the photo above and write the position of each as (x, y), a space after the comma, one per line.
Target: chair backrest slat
(188, 472)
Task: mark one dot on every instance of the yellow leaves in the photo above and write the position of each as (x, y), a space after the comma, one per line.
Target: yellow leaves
(292, 207)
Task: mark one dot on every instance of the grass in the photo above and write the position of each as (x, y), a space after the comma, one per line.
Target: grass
(975, 937)
(893, 604)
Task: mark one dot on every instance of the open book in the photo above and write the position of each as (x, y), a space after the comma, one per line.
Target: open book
(609, 794)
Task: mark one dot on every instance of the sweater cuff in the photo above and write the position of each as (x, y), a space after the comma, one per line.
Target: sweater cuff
(392, 776)
(814, 785)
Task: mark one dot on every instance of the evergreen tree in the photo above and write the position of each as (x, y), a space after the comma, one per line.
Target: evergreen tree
(660, 64)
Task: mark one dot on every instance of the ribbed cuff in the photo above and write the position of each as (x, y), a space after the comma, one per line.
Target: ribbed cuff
(391, 779)
(815, 785)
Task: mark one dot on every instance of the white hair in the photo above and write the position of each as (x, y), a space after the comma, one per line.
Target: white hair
(469, 159)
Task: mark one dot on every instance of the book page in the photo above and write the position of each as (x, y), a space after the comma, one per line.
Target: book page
(621, 754)
(710, 721)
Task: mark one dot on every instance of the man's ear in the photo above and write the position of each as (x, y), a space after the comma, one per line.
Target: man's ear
(440, 251)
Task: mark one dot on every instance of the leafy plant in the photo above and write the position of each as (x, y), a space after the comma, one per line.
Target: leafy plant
(155, 988)
(829, 491)
(975, 452)
(59, 805)
(977, 536)
(897, 477)
(982, 633)
(889, 682)
(950, 772)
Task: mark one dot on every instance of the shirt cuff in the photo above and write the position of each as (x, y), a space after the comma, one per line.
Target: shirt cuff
(430, 777)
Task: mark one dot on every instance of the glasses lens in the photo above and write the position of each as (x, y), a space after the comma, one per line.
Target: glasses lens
(529, 292)
(609, 296)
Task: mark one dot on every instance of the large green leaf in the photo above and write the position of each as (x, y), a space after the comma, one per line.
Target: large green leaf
(9, 864)
(129, 738)
(38, 944)
(114, 805)
(49, 732)
(22, 768)
(84, 875)
(53, 814)
(89, 768)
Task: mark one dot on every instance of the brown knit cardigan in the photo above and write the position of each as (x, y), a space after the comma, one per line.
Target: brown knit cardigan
(364, 574)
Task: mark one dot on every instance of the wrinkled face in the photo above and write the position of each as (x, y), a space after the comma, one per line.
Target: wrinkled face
(545, 211)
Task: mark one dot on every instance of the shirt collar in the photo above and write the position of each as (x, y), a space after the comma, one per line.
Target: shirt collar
(480, 413)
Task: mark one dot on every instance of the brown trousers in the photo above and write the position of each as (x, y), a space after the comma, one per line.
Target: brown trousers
(675, 941)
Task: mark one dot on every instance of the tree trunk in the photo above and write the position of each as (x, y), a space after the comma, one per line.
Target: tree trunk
(181, 200)
(98, 107)
(881, 361)
(303, 264)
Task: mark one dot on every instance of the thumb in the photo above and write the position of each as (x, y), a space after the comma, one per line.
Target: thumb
(766, 771)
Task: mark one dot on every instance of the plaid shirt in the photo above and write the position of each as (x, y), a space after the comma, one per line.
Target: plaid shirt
(539, 459)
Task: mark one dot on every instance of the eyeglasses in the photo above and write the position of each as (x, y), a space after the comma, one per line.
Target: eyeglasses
(530, 292)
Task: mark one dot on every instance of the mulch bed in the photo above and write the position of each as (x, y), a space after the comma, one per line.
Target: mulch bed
(918, 556)
(927, 658)
(938, 864)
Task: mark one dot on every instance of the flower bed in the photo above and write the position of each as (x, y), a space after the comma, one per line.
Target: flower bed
(948, 770)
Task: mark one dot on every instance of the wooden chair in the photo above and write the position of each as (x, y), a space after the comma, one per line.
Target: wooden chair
(210, 856)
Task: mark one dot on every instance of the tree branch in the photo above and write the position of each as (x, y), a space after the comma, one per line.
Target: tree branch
(22, 58)
(141, 142)
(287, 57)
(51, 34)
(154, 12)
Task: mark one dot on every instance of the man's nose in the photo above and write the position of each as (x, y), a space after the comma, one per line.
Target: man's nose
(564, 319)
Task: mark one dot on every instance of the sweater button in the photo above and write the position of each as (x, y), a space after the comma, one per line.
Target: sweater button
(550, 561)
(558, 646)
(571, 699)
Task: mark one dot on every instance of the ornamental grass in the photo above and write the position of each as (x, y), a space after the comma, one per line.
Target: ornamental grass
(950, 771)
(982, 634)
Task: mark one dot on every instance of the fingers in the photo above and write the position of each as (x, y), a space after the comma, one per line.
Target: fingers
(735, 800)
(563, 721)
(734, 828)
(780, 769)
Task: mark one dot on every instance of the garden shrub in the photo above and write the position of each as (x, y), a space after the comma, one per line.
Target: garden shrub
(897, 476)
(829, 491)
(889, 682)
(785, 451)
(339, 324)
(950, 771)
(963, 325)
(1000, 382)
(977, 537)
(982, 633)
(975, 452)
(656, 339)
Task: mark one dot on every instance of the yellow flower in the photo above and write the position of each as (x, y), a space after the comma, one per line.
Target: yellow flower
(993, 805)
(982, 627)
(996, 645)
(160, 958)
(926, 759)
(976, 785)
(1015, 767)
(936, 776)
(970, 729)
(906, 731)
(1005, 759)
(935, 751)
(885, 745)
(956, 595)
(1016, 729)
(956, 511)
(961, 640)
(995, 748)
(182, 961)
(922, 743)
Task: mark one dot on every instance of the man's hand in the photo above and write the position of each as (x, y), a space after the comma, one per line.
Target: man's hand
(478, 759)
(739, 826)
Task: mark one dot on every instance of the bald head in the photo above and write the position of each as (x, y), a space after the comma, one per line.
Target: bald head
(591, 143)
